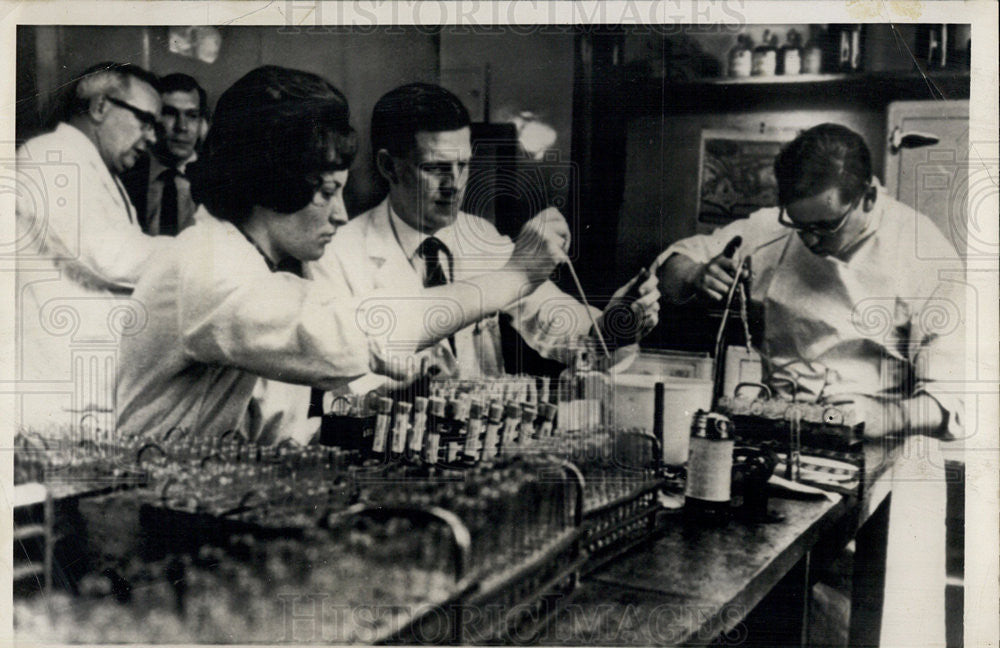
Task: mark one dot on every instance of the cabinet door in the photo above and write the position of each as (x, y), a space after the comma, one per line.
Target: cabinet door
(933, 179)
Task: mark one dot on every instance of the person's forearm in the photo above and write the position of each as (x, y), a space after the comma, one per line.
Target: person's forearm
(442, 311)
(677, 277)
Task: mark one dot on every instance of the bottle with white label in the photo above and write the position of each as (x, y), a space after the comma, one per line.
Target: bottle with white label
(492, 437)
(380, 439)
(710, 468)
(473, 438)
(418, 431)
(436, 424)
(401, 427)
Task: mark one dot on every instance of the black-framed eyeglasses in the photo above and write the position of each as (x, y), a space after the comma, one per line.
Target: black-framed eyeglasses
(146, 118)
(822, 228)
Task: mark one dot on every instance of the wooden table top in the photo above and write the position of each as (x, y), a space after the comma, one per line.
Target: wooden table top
(693, 583)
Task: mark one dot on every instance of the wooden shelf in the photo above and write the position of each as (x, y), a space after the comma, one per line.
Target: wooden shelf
(650, 96)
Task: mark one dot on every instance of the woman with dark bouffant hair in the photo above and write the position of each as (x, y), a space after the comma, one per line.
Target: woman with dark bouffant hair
(232, 301)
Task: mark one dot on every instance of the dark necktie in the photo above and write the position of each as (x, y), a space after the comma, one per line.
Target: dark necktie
(432, 251)
(168, 203)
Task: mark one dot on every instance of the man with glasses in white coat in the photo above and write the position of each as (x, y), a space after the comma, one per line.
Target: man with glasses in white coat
(858, 309)
(81, 249)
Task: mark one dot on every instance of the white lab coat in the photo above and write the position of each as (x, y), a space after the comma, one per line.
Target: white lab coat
(365, 256)
(218, 318)
(80, 252)
(888, 321)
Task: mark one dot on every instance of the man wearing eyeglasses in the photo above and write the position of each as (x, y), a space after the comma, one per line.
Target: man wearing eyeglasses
(82, 248)
(852, 313)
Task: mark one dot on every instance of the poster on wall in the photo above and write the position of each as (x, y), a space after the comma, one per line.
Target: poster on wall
(736, 173)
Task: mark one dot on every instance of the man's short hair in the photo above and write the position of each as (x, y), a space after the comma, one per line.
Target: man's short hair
(275, 131)
(178, 82)
(104, 78)
(823, 157)
(401, 113)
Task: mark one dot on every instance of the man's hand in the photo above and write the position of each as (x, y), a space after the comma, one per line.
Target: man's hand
(541, 246)
(715, 278)
(634, 310)
(684, 278)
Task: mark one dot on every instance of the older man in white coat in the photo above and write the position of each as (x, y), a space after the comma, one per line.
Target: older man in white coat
(81, 249)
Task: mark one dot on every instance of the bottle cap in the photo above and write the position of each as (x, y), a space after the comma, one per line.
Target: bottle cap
(419, 404)
(496, 411)
(527, 413)
(437, 406)
(475, 409)
(384, 405)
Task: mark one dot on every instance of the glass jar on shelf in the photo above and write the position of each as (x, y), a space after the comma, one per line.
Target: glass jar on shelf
(790, 61)
(765, 56)
(812, 53)
(740, 57)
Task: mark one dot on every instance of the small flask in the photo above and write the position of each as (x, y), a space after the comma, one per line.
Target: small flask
(740, 57)
(764, 61)
(710, 467)
(790, 62)
(812, 55)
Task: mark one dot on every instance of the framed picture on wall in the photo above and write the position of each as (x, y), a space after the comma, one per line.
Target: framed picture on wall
(736, 173)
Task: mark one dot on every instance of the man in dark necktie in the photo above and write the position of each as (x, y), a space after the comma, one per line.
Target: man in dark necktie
(419, 237)
(158, 186)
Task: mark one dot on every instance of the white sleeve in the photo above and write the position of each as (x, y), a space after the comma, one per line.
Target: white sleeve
(276, 325)
(553, 323)
(87, 231)
(701, 248)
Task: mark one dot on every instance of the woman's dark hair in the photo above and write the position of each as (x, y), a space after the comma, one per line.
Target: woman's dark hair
(275, 131)
(823, 157)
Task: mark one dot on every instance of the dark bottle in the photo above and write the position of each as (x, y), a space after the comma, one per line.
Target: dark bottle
(710, 468)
